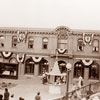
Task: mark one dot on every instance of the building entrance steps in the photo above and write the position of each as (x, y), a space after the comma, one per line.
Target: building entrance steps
(28, 87)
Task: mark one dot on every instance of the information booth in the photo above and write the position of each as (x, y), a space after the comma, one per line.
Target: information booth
(55, 79)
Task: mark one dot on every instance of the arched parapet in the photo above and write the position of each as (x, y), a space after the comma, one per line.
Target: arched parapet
(67, 29)
(63, 32)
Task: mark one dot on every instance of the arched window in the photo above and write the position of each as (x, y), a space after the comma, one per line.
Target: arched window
(95, 45)
(2, 40)
(30, 42)
(14, 41)
(80, 45)
(78, 69)
(94, 71)
(45, 43)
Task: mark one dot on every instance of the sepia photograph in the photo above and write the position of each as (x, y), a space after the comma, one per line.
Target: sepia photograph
(49, 49)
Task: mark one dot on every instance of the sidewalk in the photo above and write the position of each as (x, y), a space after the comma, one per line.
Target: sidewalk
(28, 87)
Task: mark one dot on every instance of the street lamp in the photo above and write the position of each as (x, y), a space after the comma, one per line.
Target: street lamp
(68, 66)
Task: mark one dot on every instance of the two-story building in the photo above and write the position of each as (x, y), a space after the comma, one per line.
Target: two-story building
(29, 51)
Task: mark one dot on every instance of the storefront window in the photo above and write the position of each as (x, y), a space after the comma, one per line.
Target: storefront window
(95, 45)
(8, 70)
(78, 69)
(80, 45)
(45, 43)
(94, 71)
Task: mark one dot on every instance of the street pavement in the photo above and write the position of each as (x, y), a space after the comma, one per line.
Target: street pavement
(28, 86)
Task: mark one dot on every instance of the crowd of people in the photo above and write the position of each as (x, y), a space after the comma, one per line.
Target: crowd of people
(7, 96)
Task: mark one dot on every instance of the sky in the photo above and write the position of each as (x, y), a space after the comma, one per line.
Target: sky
(75, 14)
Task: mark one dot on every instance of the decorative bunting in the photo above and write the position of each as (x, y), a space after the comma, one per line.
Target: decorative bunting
(6, 54)
(20, 57)
(61, 51)
(84, 39)
(87, 38)
(87, 62)
(91, 39)
(36, 59)
(21, 36)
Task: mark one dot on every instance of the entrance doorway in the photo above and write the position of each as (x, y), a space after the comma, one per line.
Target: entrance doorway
(78, 69)
(62, 66)
(43, 66)
(29, 66)
(89, 71)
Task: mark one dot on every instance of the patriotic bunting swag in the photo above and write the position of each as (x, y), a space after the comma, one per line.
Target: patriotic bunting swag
(61, 51)
(87, 38)
(20, 57)
(87, 62)
(36, 59)
(6, 54)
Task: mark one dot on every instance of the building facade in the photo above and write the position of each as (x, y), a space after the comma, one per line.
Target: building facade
(29, 51)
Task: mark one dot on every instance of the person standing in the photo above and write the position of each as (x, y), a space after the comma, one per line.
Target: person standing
(38, 97)
(80, 81)
(74, 87)
(6, 94)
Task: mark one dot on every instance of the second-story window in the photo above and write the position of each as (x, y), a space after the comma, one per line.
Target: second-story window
(14, 41)
(80, 45)
(30, 42)
(45, 43)
(2, 41)
(95, 45)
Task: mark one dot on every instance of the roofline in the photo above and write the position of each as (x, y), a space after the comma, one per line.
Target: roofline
(44, 29)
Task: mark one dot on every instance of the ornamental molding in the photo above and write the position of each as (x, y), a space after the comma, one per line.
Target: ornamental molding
(13, 60)
(6, 55)
(59, 28)
(21, 36)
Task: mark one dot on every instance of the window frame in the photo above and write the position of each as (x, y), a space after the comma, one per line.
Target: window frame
(2, 41)
(45, 43)
(95, 48)
(30, 42)
(78, 46)
(13, 42)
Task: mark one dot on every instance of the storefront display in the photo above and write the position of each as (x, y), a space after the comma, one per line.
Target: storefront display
(9, 70)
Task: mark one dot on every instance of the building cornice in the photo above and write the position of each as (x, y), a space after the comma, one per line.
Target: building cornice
(48, 31)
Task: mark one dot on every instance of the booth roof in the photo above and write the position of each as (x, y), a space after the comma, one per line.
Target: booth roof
(56, 71)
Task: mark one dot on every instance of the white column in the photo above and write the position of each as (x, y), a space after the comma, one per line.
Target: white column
(36, 69)
(19, 70)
